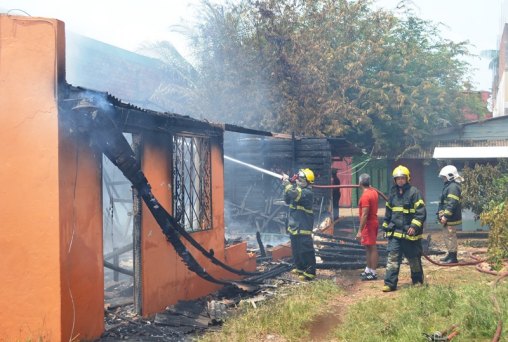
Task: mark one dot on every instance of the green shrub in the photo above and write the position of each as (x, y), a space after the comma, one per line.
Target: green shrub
(485, 192)
(497, 219)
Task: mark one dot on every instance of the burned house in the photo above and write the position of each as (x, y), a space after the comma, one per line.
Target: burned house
(54, 136)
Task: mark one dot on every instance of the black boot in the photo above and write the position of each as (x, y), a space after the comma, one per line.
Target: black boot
(446, 258)
(452, 259)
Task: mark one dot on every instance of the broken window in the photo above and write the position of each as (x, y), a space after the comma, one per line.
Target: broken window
(192, 196)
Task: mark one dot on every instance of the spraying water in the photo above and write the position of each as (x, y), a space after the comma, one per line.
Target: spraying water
(273, 174)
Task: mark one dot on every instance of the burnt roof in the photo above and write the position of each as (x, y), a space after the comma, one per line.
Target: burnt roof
(132, 118)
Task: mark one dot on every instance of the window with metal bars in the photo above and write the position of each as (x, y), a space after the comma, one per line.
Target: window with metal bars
(192, 196)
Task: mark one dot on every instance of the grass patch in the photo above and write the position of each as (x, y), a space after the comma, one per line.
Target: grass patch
(286, 316)
(426, 309)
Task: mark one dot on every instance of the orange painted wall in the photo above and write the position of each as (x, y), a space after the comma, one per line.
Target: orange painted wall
(157, 263)
(82, 270)
(165, 278)
(30, 263)
(42, 238)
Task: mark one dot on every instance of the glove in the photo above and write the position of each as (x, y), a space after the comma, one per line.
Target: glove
(293, 179)
(285, 179)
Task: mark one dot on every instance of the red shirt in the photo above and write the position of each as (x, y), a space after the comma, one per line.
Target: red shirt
(369, 199)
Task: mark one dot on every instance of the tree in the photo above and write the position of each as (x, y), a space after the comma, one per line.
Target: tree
(329, 67)
(493, 56)
(177, 92)
(485, 192)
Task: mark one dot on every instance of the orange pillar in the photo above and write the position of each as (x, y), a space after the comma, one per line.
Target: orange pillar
(51, 286)
(165, 278)
(157, 257)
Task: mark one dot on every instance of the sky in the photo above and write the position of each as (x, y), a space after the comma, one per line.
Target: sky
(128, 23)
(480, 22)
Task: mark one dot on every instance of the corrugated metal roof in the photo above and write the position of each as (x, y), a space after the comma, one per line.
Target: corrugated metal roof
(497, 118)
(477, 152)
(472, 143)
(131, 117)
(427, 152)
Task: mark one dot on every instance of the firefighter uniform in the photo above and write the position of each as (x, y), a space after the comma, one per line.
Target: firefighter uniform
(404, 210)
(300, 224)
(450, 207)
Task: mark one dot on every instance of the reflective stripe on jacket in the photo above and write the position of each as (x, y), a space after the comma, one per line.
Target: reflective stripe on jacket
(301, 215)
(449, 204)
(404, 211)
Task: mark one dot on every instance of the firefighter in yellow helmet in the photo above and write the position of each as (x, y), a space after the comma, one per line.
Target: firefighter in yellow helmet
(403, 226)
(298, 194)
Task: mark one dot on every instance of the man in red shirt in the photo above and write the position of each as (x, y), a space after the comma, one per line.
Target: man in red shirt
(367, 233)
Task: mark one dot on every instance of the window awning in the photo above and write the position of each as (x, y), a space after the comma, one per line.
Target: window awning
(480, 152)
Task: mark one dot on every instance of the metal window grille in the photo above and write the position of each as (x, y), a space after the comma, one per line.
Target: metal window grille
(192, 198)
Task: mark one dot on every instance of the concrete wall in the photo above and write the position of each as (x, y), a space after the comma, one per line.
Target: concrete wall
(48, 210)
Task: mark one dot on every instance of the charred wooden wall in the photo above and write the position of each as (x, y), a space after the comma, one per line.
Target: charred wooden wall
(254, 191)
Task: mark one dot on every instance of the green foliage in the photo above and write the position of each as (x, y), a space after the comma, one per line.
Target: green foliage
(328, 67)
(485, 192)
(425, 309)
(493, 56)
(287, 315)
(497, 220)
(480, 187)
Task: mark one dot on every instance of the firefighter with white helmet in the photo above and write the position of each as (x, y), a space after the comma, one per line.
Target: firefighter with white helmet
(450, 210)
(403, 225)
(298, 194)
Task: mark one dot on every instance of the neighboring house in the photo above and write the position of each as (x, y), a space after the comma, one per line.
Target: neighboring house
(500, 82)
(467, 144)
(484, 97)
(474, 142)
(425, 166)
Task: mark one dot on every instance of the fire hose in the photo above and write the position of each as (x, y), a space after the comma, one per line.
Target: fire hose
(464, 263)
(293, 178)
(346, 186)
(499, 328)
(445, 335)
(104, 134)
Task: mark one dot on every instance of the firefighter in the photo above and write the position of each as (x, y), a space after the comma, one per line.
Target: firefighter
(403, 226)
(450, 210)
(298, 194)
